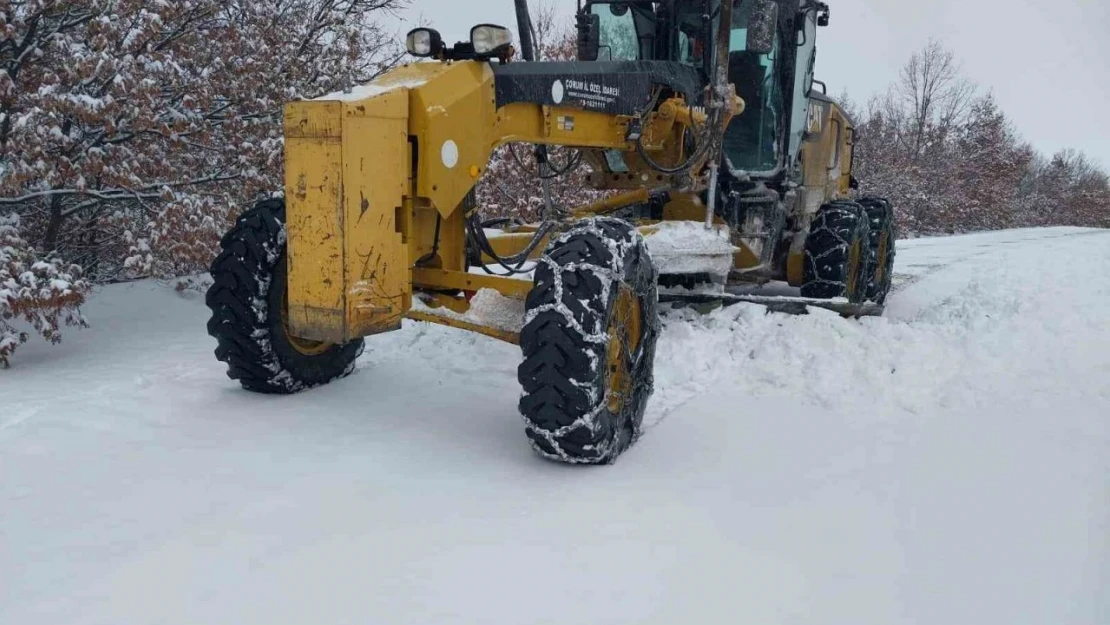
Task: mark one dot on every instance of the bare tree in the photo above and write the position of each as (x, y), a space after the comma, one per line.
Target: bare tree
(932, 95)
(547, 29)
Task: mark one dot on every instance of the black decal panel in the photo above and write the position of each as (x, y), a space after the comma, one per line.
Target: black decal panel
(620, 88)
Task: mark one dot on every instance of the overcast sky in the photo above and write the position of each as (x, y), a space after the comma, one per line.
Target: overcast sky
(1047, 61)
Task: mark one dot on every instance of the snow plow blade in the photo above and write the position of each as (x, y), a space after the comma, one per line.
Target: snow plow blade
(780, 304)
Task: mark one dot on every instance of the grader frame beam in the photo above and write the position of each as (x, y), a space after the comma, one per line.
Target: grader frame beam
(512, 338)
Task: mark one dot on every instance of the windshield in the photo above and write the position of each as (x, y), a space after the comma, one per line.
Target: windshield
(619, 40)
(628, 31)
(751, 141)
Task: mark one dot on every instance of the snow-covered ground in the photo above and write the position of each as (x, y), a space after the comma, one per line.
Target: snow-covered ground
(948, 464)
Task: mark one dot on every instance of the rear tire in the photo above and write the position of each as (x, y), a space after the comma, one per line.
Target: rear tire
(588, 342)
(880, 273)
(247, 299)
(837, 252)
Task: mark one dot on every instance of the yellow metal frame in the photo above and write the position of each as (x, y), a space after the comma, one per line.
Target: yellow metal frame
(370, 181)
(376, 186)
(444, 280)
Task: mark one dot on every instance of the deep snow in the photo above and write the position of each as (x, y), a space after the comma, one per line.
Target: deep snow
(948, 464)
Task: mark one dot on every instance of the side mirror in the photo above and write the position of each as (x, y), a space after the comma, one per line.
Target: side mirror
(424, 42)
(589, 36)
(763, 26)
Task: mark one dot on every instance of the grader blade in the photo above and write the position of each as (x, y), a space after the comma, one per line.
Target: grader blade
(779, 303)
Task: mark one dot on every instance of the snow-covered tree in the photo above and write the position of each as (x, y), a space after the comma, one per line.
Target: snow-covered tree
(1067, 189)
(130, 130)
(43, 292)
(133, 131)
(952, 161)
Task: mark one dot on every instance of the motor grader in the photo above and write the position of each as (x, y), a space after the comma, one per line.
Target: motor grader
(724, 167)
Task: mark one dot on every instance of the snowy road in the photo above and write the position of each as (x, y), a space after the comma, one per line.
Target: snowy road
(948, 464)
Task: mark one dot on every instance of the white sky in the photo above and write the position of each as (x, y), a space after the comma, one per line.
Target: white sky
(1047, 61)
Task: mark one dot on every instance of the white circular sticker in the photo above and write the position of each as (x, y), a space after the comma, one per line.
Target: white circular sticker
(557, 92)
(449, 153)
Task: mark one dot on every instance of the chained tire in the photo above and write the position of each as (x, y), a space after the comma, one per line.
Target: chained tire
(248, 303)
(591, 327)
(837, 253)
(880, 273)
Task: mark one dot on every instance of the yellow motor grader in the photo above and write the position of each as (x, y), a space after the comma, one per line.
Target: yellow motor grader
(724, 168)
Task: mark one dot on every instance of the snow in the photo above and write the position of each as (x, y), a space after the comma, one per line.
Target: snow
(946, 464)
(687, 247)
(487, 308)
(375, 88)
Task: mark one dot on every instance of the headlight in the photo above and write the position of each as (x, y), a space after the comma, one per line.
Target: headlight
(490, 39)
(424, 42)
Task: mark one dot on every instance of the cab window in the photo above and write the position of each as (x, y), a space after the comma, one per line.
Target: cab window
(619, 39)
(752, 139)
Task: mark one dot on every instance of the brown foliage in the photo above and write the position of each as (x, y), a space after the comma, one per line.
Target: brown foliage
(131, 130)
(45, 293)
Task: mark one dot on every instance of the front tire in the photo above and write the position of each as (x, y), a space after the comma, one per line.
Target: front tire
(589, 339)
(248, 303)
(837, 252)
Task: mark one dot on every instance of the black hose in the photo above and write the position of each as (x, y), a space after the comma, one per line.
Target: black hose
(501, 221)
(703, 146)
(478, 239)
(573, 163)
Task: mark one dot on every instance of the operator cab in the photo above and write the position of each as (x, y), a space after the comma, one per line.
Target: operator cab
(772, 52)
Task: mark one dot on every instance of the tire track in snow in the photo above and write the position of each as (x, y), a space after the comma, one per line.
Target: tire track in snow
(24, 413)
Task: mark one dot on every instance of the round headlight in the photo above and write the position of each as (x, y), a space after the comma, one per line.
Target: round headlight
(424, 42)
(490, 39)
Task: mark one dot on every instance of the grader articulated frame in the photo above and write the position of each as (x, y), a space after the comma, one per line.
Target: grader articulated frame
(710, 138)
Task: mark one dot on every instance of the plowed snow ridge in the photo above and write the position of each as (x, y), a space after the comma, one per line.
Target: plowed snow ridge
(947, 464)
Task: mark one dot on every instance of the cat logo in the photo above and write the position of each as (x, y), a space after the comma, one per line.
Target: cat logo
(815, 121)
